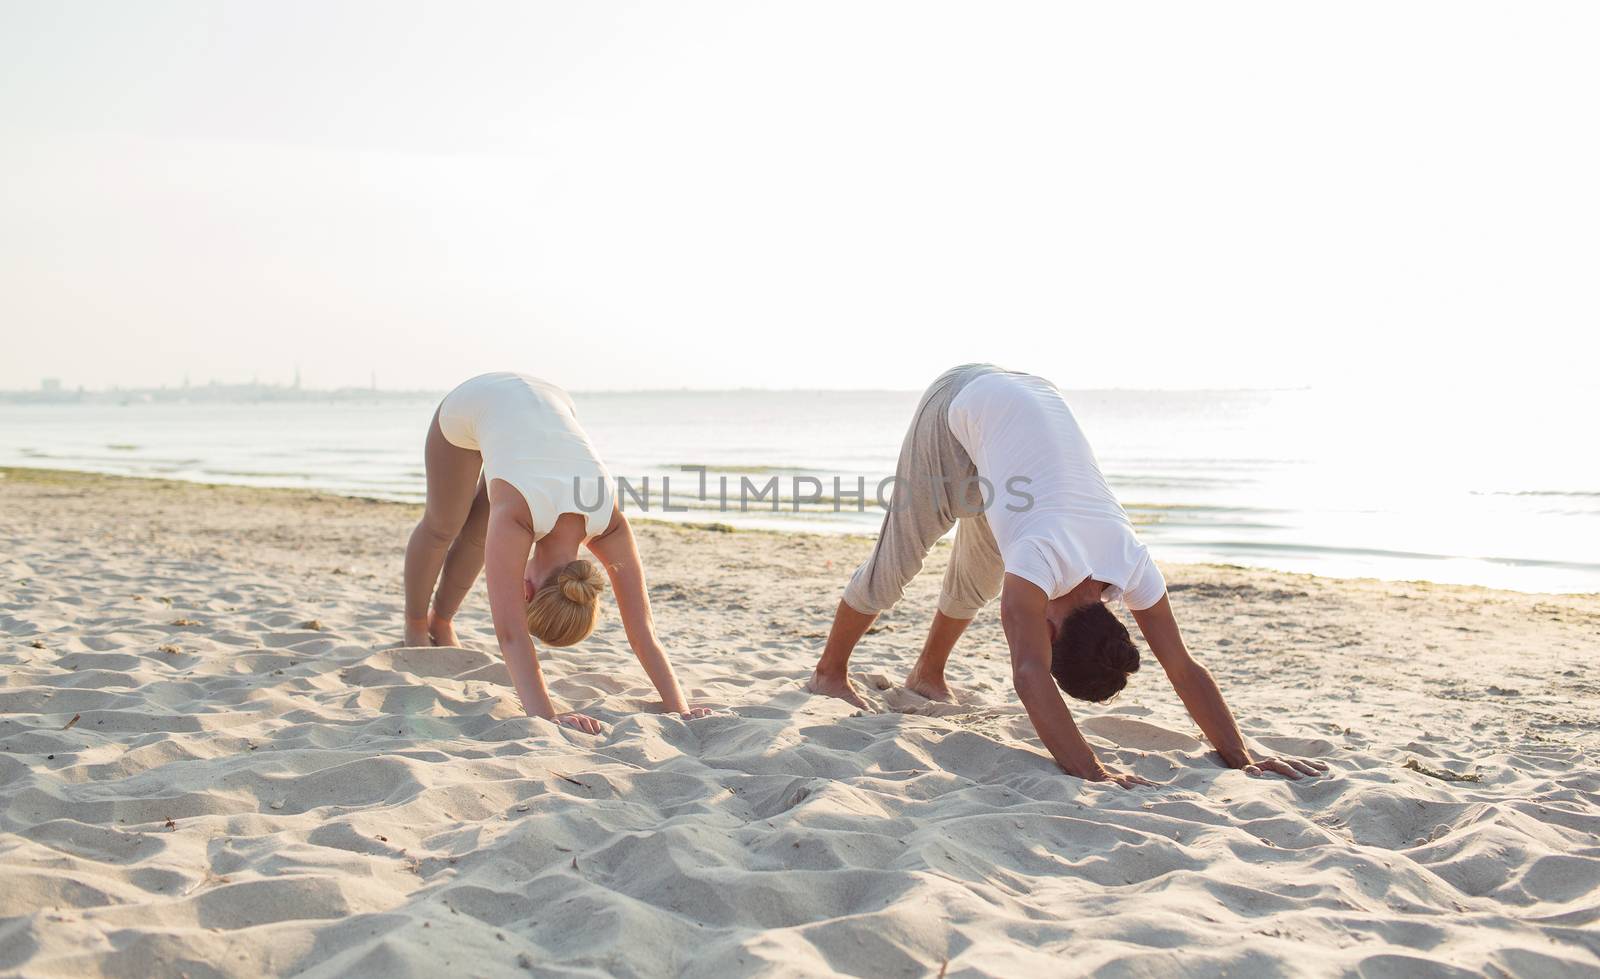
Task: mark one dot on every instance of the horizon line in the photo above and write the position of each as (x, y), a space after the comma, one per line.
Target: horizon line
(746, 389)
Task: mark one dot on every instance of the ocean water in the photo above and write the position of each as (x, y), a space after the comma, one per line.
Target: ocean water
(1460, 489)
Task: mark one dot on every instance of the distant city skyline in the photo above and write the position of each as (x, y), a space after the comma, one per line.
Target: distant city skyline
(55, 390)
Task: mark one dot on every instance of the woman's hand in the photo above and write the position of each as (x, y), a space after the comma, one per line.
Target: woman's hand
(583, 722)
(1291, 768)
(1122, 780)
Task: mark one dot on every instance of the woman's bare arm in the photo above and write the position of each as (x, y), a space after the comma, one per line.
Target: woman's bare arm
(619, 554)
(505, 555)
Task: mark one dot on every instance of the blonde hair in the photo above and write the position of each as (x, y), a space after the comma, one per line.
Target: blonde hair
(566, 608)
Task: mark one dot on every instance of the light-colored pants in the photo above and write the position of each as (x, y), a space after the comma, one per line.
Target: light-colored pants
(935, 488)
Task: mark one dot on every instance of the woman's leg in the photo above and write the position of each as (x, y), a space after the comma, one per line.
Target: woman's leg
(452, 474)
(461, 566)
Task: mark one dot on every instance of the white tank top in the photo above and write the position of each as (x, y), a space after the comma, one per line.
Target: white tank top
(528, 433)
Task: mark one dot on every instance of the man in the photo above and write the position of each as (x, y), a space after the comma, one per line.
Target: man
(999, 456)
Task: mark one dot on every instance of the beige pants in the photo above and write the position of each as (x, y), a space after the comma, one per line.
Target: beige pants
(935, 488)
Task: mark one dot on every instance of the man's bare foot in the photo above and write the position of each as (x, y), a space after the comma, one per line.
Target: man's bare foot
(442, 632)
(417, 634)
(836, 686)
(931, 689)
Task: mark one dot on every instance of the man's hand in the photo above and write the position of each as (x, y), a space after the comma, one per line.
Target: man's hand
(1290, 768)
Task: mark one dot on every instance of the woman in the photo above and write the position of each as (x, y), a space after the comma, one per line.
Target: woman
(515, 487)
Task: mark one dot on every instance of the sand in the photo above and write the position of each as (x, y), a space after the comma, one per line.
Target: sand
(214, 761)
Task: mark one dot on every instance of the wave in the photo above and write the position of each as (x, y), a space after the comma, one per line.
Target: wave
(1338, 550)
(120, 460)
(1572, 493)
(740, 469)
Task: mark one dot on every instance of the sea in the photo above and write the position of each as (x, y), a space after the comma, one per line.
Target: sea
(1462, 488)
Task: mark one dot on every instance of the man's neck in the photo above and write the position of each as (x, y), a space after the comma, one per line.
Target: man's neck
(1086, 592)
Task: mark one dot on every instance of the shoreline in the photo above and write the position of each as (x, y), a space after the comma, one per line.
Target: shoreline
(43, 474)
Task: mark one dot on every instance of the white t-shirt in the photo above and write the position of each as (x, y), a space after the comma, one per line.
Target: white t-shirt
(1021, 435)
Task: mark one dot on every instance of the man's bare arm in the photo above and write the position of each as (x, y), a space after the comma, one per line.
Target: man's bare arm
(1022, 606)
(1203, 699)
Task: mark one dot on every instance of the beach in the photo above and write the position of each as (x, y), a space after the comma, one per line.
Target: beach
(215, 760)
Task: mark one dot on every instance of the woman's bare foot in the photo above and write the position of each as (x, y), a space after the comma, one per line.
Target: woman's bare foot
(442, 632)
(836, 686)
(417, 634)
(935, 689)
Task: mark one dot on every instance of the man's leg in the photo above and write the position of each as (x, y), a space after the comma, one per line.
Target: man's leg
(932, 466)
(927, 676)
(971, 581)
(832, 674)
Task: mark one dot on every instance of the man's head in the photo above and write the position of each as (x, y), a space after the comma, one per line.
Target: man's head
(1093, 655)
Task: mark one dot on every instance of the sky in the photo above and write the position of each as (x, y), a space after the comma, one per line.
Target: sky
(1389, 196)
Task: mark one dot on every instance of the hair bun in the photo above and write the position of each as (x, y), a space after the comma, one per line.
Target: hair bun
(580, 582)
(566, 608)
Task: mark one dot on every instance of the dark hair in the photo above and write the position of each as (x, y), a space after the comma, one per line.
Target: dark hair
(1093, 654)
